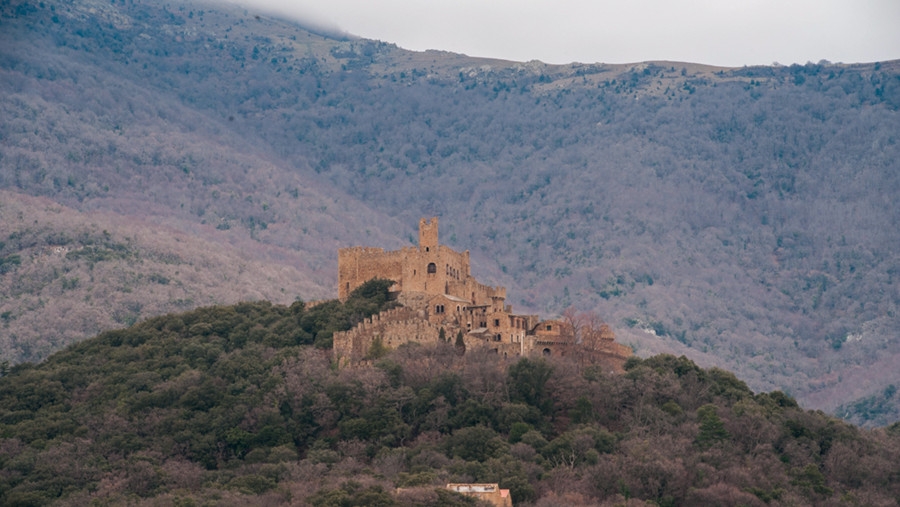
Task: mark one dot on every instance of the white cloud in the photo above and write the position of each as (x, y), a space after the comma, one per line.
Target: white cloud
(718, 32)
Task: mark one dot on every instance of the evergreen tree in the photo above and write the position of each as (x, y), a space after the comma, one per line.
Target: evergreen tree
(712, 429)
(460, 343)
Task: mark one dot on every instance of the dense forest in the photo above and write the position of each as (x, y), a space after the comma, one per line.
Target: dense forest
(743, 217)
(241, 404)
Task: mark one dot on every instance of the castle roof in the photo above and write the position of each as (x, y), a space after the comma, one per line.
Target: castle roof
(456, 298)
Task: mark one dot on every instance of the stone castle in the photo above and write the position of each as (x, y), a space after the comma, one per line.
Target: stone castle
(441, 299)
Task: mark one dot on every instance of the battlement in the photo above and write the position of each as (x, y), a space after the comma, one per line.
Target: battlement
(361, 250)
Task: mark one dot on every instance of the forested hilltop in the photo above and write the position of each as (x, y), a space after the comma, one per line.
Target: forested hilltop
(744, 217)
(240, 404)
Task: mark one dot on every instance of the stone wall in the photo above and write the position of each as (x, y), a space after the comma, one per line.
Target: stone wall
(358, 265)
(393, 328)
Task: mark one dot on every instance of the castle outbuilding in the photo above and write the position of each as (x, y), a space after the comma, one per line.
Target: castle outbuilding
(441, 300)
(489, 493)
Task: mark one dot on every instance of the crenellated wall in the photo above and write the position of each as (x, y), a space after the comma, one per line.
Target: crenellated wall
(393, 327)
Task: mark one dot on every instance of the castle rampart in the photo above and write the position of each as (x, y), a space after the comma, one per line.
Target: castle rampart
(435, 285)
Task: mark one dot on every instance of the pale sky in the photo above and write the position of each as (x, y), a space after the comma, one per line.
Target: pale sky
(717, 32)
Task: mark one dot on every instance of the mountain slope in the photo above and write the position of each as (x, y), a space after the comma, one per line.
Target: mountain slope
(68, 275)
(743, 216)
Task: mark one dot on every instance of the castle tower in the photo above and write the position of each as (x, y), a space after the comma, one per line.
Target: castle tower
(428, 234)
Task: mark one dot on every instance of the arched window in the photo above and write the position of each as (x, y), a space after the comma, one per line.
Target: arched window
(432, 267)
(546, 352)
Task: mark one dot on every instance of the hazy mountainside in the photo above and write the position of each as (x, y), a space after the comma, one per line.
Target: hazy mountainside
(746, 216)
(175, 190)
(238, 405)
(69, 275)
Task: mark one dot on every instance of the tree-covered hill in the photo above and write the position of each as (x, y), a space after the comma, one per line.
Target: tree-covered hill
(232, 405)
(744, 216)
